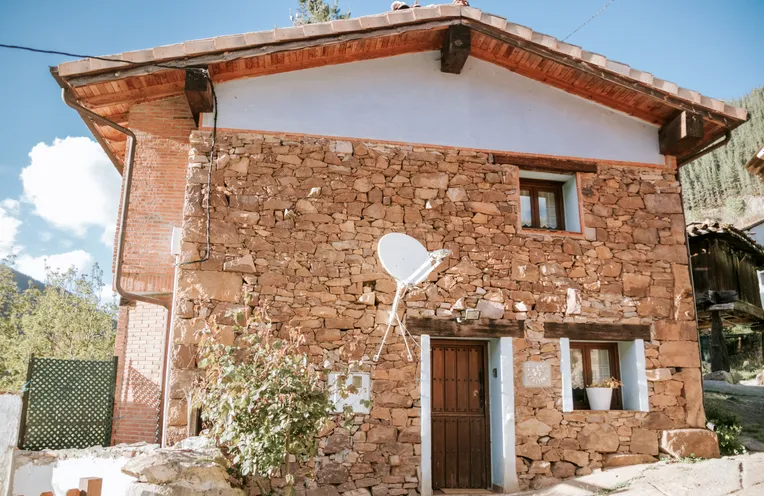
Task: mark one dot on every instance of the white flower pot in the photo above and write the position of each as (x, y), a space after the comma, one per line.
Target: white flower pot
(599, 398)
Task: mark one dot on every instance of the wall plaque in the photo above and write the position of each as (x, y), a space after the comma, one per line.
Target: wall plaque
(537, 375)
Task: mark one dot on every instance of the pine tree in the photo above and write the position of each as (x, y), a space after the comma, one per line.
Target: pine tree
(312, 11)
(711, 181)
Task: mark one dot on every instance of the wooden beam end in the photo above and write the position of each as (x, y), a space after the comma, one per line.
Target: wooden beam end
(680, 134)
(456, 49)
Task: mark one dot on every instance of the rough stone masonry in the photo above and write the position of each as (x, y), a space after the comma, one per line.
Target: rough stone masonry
(295, 220)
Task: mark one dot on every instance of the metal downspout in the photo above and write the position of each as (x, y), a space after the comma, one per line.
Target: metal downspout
(89, 116)
(708, 149)
(126, 190)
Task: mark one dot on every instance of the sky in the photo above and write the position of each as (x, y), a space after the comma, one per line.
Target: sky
(59, 193)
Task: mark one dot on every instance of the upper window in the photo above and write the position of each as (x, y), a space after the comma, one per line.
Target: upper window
(541, 204)
(590, 363)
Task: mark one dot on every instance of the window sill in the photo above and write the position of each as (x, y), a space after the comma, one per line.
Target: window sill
(550, 232)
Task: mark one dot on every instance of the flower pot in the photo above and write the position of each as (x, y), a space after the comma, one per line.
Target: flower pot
(599, 398)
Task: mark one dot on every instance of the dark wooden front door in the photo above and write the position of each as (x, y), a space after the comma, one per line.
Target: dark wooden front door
(460, 441)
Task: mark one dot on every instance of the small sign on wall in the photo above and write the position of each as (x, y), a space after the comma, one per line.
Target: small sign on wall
(537, 375)
(358, 401)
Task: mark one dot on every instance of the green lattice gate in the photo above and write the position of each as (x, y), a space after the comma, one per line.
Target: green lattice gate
(68, 404)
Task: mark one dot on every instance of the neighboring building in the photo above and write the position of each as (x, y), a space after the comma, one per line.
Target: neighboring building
(756, 165)
(550, 173)
(725, 268)
(756, 232)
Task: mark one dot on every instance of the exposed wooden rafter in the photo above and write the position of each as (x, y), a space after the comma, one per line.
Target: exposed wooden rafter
(456, 49)
(680, 134)
(198, 91)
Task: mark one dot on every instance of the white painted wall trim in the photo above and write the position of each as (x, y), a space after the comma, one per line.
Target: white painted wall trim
(425, 415)
(644, 398)
(567, 382)
(508, 413)
(401, 99)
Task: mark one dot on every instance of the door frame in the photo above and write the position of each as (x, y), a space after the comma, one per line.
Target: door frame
(502, 471)
(483, 344)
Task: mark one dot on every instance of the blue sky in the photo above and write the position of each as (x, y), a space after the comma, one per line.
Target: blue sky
(66, 204)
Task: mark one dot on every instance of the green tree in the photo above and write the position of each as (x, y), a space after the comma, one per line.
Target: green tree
(312, 11)
(65, 319)
(710, 181)
(262, 398)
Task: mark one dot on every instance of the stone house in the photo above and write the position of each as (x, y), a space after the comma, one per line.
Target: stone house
(550, 173)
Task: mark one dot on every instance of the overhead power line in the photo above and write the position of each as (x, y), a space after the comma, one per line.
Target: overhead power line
(81, 56)
(164, 66)
(590, 19)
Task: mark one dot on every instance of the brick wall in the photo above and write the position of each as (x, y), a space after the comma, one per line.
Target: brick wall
(141, 330)
(295, 220)
(162, 129)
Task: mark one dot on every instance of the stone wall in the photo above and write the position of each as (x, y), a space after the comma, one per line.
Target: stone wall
(296, 219)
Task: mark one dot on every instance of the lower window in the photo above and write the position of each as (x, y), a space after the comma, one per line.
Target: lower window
(590, 363)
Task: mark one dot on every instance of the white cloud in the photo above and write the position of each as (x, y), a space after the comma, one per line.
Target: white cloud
(108, 295)
(72, 185)
(10, 205)
(107, 237)
(9, 226)
(35, 266)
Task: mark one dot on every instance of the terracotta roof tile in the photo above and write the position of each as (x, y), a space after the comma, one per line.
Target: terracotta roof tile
(391, 19)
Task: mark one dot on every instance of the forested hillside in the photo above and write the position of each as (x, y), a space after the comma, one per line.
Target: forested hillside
(717, 186)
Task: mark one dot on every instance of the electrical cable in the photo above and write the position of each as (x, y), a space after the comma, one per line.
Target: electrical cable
(163, 66)
(105, 59)
(209, 173)
(590, 19)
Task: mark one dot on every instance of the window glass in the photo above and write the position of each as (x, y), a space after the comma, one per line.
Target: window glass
(541, 204)
(592, 362)
(600, 360)
(526, 217)
(577, 376)
(548, 210)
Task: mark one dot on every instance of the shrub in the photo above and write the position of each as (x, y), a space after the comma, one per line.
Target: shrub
(262, 398)
(728, 429)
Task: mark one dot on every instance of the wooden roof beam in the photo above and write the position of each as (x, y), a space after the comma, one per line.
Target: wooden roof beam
(198, 91)
(680, 134)
(456, 49)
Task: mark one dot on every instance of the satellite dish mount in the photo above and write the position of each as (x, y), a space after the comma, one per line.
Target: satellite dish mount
(409, 262)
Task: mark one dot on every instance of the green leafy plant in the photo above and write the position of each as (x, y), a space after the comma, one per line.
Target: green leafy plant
(65, 318)
(728, 429)
(263, 400)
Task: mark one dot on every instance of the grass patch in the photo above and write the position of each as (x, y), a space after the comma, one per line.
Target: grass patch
(749, 409)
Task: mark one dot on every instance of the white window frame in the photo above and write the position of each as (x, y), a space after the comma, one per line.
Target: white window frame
(570, 198)
(632, 361)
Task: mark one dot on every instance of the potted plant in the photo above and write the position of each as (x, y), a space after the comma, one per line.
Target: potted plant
(600, 393)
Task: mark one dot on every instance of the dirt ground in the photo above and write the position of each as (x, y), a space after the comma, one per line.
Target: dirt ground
(747, 402)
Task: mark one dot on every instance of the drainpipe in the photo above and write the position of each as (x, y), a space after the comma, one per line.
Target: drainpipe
(89, 117)
(708, 149)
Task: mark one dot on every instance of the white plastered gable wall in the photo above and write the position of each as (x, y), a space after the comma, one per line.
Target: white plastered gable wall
(408, 99)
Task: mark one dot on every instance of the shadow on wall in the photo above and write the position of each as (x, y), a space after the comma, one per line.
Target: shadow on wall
(136, 412)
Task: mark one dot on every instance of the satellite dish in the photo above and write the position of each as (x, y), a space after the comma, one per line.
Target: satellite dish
(409, 262)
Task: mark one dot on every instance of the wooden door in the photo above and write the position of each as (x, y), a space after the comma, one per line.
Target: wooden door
(460, 438)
